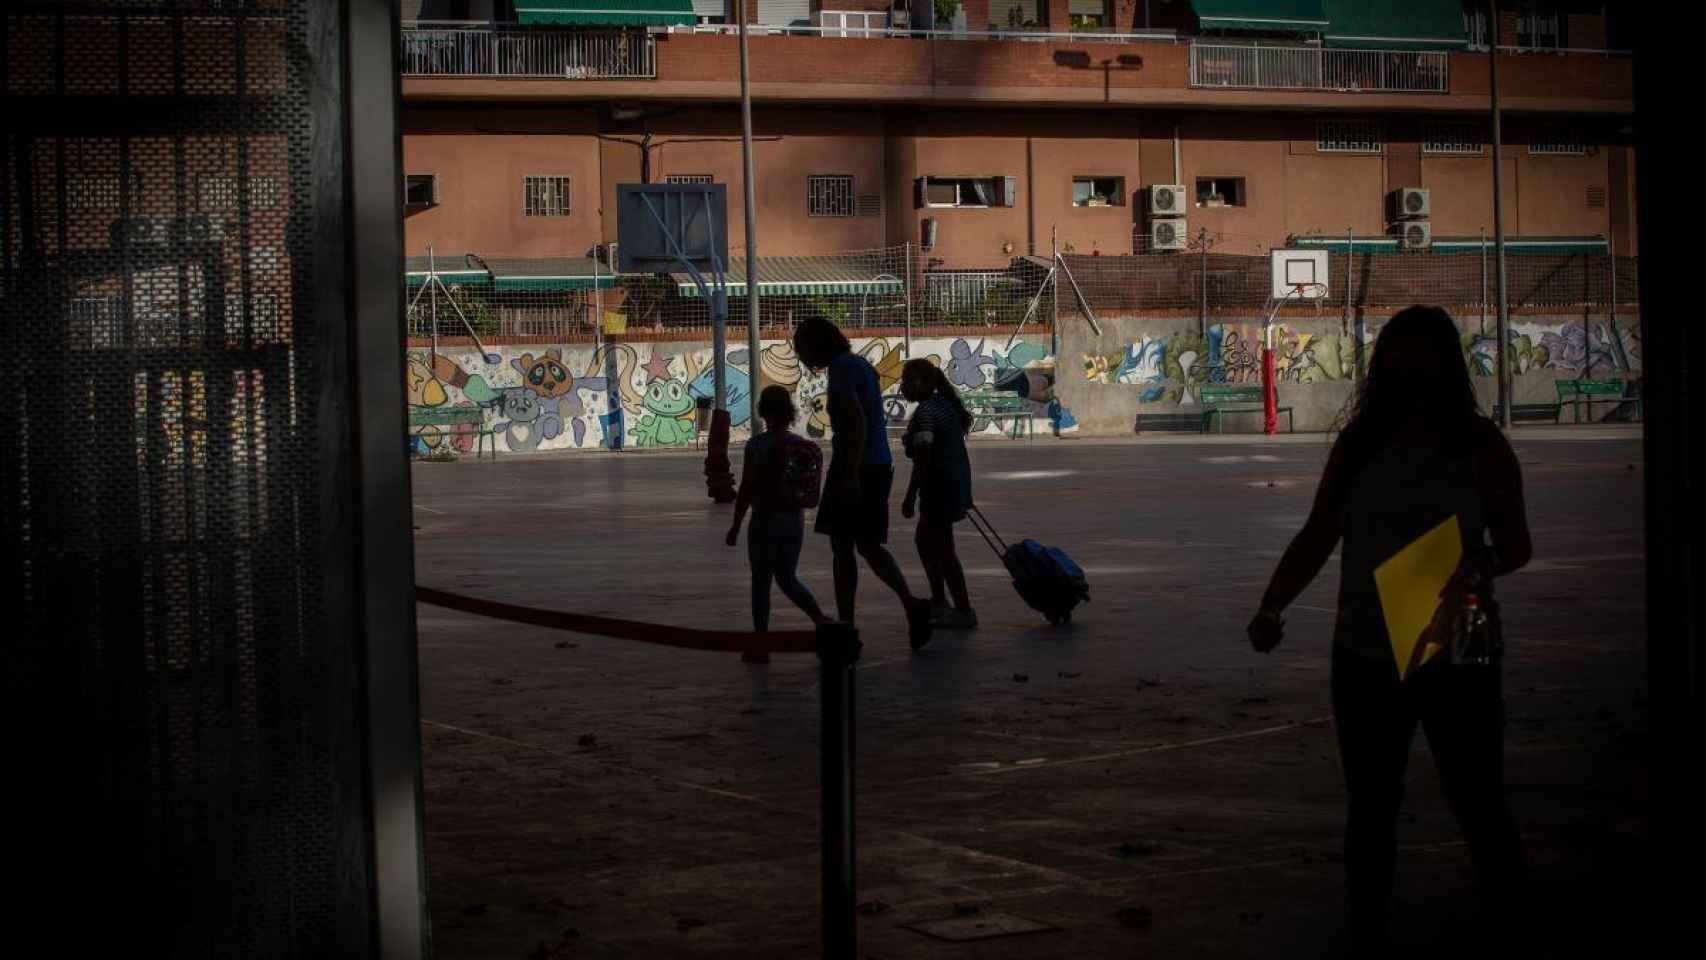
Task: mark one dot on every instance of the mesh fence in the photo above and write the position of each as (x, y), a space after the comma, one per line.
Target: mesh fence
(887, 289)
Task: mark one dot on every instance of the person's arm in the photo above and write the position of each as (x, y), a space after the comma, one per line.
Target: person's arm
(923, 458)
(1304, 557)
(743, 499)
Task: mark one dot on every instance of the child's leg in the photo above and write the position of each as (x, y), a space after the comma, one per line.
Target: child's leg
(927, 555)
(786, 542)
(948, 559)
(758, 556)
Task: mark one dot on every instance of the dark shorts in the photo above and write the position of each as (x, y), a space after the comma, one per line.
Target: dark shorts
(865, 520)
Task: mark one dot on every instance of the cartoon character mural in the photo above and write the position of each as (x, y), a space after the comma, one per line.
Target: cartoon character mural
(668, 418)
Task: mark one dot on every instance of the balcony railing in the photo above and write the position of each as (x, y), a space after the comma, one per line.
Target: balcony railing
(497, 51)
(1251, 67)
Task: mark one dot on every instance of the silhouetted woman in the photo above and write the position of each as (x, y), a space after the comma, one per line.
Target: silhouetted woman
(1414, 450)
(939, 493)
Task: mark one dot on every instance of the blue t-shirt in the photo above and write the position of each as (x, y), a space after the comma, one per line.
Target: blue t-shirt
(854, 374)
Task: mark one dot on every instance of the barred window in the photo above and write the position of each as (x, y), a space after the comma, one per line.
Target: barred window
(545, 196)
(1348, 136)
(689, 178)
(1558, 143)
(217, 192)
(1455, 138)
(829, 196)
(100, 194)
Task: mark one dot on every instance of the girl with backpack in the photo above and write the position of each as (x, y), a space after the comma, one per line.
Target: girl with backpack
(940, 490)
(780, 477)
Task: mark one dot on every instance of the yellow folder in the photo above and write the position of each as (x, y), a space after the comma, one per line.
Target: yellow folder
(1409, 583)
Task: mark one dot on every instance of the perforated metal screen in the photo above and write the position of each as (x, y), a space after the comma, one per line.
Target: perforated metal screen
(169, 221)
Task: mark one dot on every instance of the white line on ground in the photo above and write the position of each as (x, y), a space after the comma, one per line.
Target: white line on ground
(1029, 474)
(422, 506)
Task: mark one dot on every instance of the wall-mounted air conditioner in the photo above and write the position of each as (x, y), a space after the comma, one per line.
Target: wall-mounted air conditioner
(1164, 199)
(1168, 234)
(1409, 203)
(1415, 235)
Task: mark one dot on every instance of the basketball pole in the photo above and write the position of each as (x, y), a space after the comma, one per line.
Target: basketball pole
(1504, 315)
(753, 367)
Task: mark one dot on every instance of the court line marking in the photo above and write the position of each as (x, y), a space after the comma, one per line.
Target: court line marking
(422, 506)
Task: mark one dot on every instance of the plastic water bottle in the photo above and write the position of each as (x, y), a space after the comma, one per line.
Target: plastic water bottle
(1472, 640)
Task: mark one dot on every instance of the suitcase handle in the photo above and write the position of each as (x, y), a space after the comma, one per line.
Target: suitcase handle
(981, 524)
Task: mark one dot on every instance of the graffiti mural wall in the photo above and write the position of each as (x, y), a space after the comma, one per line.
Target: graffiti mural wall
(1172, 367)
(643, 395)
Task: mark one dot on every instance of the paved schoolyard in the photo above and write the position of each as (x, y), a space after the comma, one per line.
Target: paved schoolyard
(1140, 781)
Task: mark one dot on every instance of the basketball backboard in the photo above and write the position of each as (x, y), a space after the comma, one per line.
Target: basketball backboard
(660, 224)
(1299, 273)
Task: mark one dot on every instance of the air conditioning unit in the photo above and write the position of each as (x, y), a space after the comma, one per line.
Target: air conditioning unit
(1410, 203)
(1168, 234)
(1415, 235)
(1165, 200)
(141, 231)
(199, 229)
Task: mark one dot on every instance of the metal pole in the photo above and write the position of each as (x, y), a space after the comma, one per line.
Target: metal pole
(1499, 224)
(1483, 281)
(754, 368)
(1202, 277)
(906, 252)
(837, 651)
(1345, 316)
(1054, 307)
(1611, 248)
(432, 291)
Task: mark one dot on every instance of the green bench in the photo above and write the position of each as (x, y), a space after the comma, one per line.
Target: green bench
(1216, 401)
(1586, 393)
(453, 416)
(1000, 409)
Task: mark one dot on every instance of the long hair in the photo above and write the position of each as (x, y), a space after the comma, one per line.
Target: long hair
(776, 407)
(818, 341)
(1418, 371)
(932, 376)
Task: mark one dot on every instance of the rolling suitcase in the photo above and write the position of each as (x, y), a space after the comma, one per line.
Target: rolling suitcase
(1045, 577)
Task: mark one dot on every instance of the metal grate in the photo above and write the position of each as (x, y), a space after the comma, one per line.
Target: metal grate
(1596, 196)
(1348, 136)
(689, 178)
(545, 196)
(829, 196)
(1558, 143)
(166, 473)
(1459, 139)
(868, 205)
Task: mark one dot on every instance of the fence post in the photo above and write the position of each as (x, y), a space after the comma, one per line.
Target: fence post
(906, 288)
(837, 652)
(1202, 283)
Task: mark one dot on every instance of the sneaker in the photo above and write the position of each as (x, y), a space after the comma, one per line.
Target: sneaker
(918, 623)
(958, 620)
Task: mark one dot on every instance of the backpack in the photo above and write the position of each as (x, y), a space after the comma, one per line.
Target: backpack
(799, 473)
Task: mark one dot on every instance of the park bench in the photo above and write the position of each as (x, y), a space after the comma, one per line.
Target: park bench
(1586, 393)
(453, 416)
(1216, 400)
(1011, 413)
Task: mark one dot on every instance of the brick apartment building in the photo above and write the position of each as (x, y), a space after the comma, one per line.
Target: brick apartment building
(1012, 125)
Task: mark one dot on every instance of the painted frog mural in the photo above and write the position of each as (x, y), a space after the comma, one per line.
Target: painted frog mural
(667, 420)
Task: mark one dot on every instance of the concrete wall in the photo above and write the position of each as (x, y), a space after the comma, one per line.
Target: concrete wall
(1156, 364)
(641, 395)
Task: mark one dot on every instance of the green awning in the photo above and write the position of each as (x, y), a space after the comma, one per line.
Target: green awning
(461, 269)
(1396, 24)
(803, 276)
(1261, 16)
(549, 273)
(605, 13)
(1514, 246)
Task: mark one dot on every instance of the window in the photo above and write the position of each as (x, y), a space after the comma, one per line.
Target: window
(1558, 143)
(1541, 30)
(1475, 24)
(545, 196)
(1088, 15)
(856, 23)
(1220, 192)
(1014, 15)
(1463, 139)
(218, 192)
(420, 190)
(1098, 191)
(99, 194)
(93, 322)
(967, 191)
(1348, 136)
(829, 196)
(689, 178)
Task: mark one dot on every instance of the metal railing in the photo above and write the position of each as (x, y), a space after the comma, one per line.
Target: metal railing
(1253, 67)
(878, 33)
(499, 51)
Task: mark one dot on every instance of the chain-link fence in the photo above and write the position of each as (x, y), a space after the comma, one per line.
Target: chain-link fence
(887, 288)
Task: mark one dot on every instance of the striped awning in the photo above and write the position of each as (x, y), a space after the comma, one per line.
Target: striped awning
(605, 13)
(1516, 246)
(461, 269)
(549, 273)
(804, 276)
(1396, 24)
